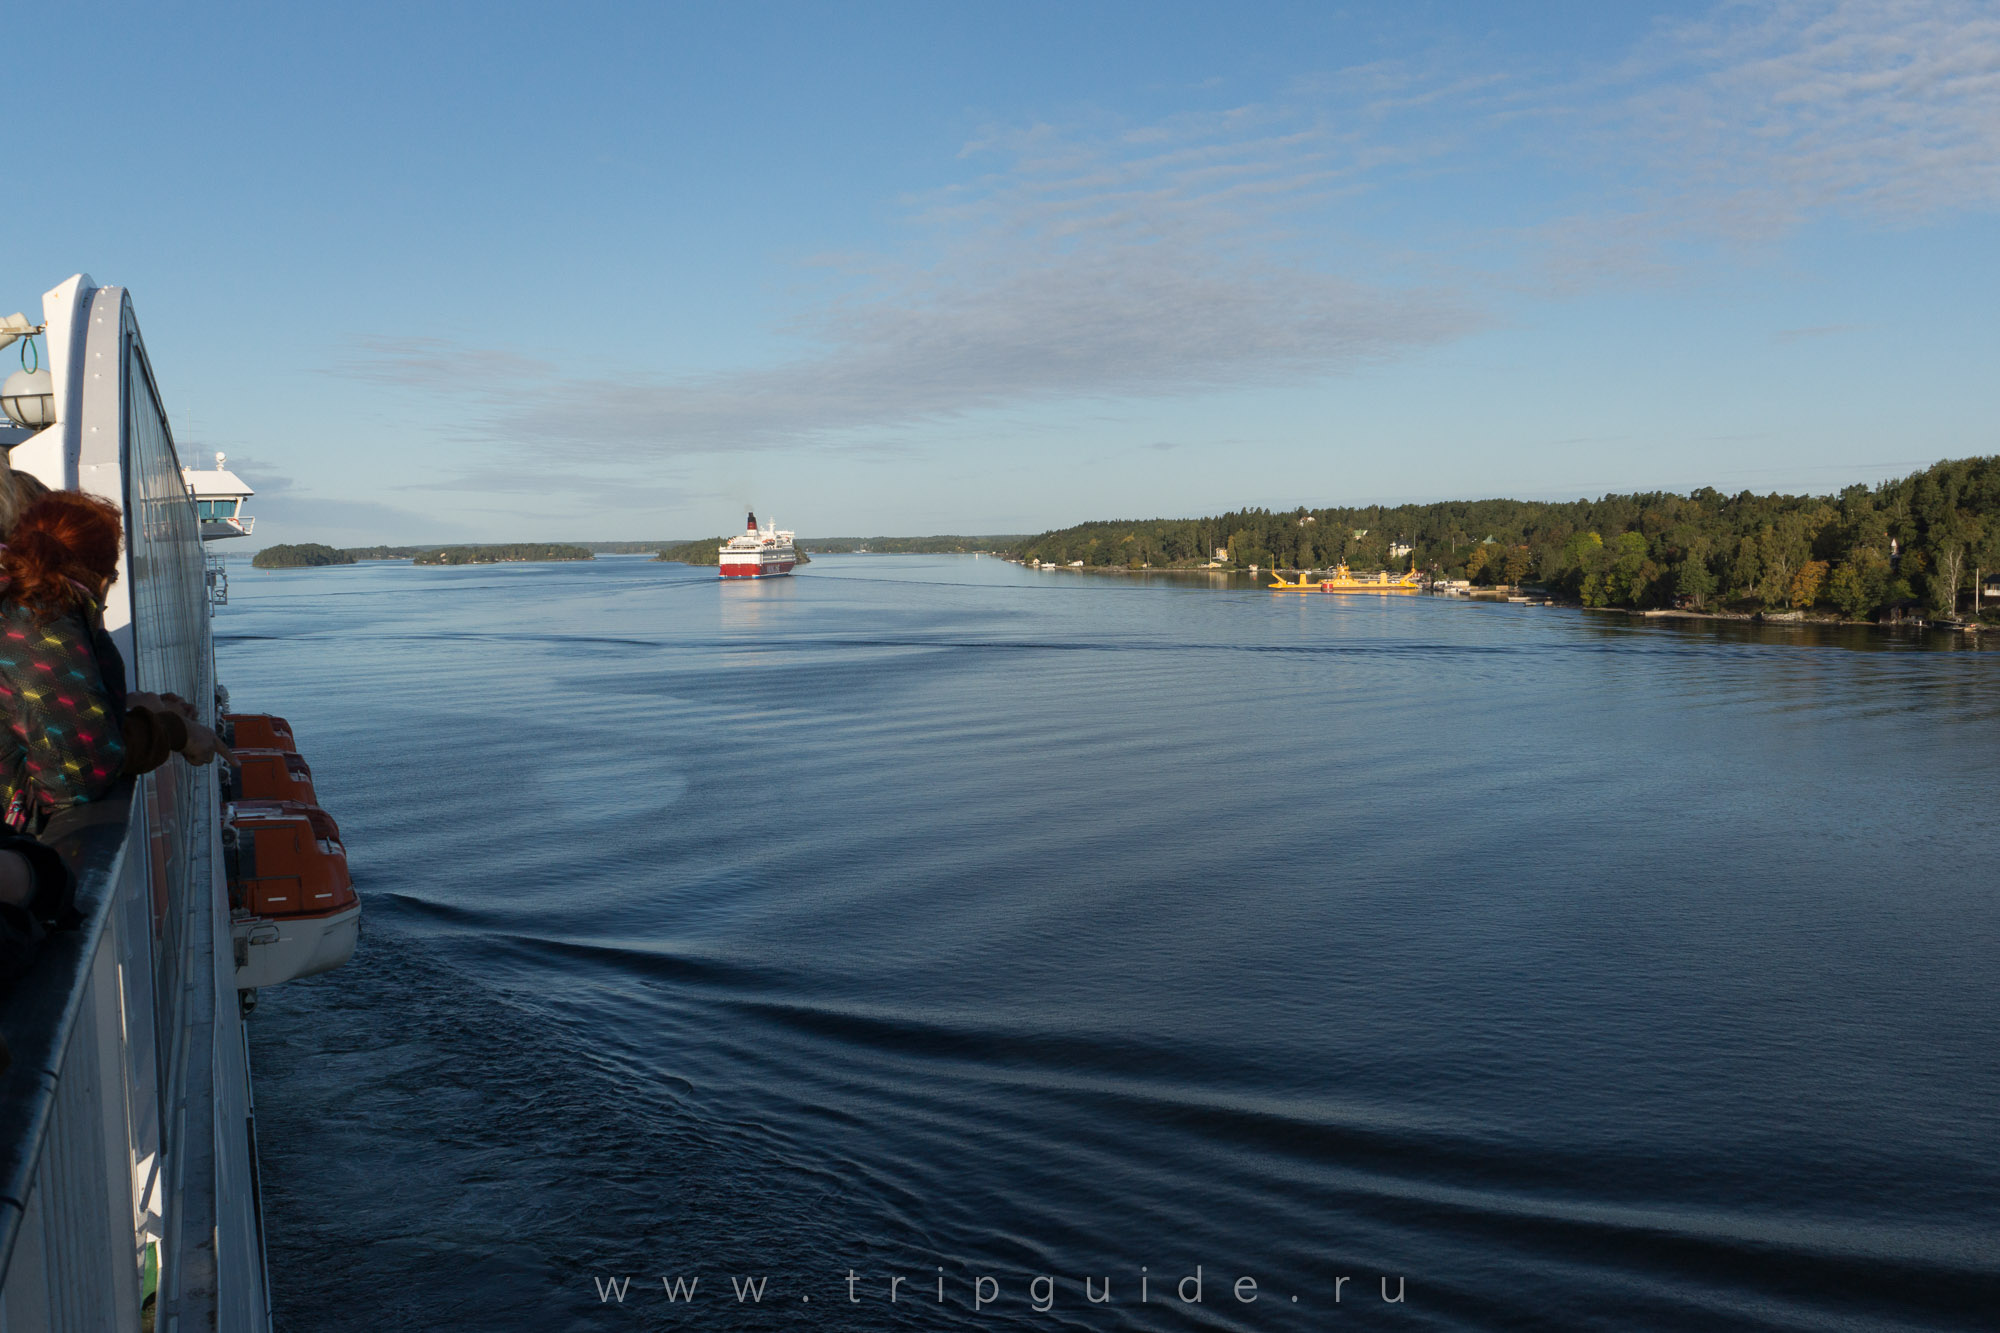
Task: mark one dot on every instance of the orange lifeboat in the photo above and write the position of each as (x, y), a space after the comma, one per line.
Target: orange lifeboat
(293, 909)
(272, 775)
(258, 731)
(286, 862)
(293, 904)
(324, 829)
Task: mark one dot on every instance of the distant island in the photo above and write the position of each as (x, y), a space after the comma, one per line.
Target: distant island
(1921, 543)
(1918, 545)
(307, 555)
(635, 548)
(310, 555)
(705, 552)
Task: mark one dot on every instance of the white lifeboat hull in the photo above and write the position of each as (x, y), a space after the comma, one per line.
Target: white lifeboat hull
(275, 949)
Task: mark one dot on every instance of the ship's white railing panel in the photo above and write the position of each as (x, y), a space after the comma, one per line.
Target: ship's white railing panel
(127, 1115)
(73, 1263)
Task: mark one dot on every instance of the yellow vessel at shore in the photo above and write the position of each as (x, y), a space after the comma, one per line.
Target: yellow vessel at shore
(1343, 581)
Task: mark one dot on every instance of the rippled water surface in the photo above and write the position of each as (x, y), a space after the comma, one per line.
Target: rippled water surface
(933, 918)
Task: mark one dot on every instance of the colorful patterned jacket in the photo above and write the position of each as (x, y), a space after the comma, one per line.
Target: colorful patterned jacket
(68, 738)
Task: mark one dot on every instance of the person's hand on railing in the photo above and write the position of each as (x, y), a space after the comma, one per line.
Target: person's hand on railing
(204, 745)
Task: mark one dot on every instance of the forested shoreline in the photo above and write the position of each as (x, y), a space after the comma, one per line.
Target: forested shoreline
(1917, 542)
(706, 551)
(944, 544)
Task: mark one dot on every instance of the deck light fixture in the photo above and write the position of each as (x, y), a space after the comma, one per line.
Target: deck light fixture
(29, 395)
(29, 398)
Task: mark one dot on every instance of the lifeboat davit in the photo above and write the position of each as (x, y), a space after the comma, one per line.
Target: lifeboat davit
(292, 903)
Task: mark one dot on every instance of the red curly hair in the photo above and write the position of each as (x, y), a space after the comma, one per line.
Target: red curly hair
(62, 540)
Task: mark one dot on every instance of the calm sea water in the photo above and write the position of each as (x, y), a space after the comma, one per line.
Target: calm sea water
(932, 918)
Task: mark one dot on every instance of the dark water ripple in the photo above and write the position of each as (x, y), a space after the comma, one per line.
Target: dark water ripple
(928, 914)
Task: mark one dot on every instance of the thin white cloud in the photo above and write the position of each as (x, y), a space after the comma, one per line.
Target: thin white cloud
(1769, 114)
(1760, 118)
(293, 517)
(1136, 263)
(428, 362)
(1785, 337)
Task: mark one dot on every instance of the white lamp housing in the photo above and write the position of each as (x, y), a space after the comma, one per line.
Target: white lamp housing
(29, 398)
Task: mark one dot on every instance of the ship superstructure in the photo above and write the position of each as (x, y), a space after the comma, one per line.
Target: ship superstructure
(128, 1161)
(218, 508)
(758, 552)
(218, 501)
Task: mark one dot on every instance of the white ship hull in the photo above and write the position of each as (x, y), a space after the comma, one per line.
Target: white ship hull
(761, 565)
(757, 553)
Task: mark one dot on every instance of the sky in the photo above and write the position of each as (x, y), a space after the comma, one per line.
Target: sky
(437, 272)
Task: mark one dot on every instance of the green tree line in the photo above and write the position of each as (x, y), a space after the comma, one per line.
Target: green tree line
(1918, 541)
(939, 545)
(503, 553)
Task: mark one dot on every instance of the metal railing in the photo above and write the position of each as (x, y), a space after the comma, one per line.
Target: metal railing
(67, 1240)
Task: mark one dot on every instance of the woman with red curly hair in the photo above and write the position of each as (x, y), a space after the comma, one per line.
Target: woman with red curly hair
(71, 734)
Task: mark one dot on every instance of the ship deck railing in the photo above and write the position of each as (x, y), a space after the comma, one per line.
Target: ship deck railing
(125, 1117)
(92, 1112)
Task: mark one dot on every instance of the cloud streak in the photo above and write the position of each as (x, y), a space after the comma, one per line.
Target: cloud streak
(1142, 262)
(1786, 337)
(1774, 113)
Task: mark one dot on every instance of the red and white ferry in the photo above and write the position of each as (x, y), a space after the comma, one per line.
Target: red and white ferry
(758, 553)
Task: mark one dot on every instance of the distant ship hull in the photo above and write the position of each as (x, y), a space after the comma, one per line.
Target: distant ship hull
(1342, 581)
(757, 569)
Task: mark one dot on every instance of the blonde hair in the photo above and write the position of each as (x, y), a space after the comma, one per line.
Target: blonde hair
(18, 490)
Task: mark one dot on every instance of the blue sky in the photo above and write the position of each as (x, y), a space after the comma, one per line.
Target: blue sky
(485, 271)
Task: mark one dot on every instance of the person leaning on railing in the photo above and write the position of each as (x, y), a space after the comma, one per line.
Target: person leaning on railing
(72, 735)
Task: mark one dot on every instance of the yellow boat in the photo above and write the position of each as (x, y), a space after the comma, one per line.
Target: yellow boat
(1343, 581)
